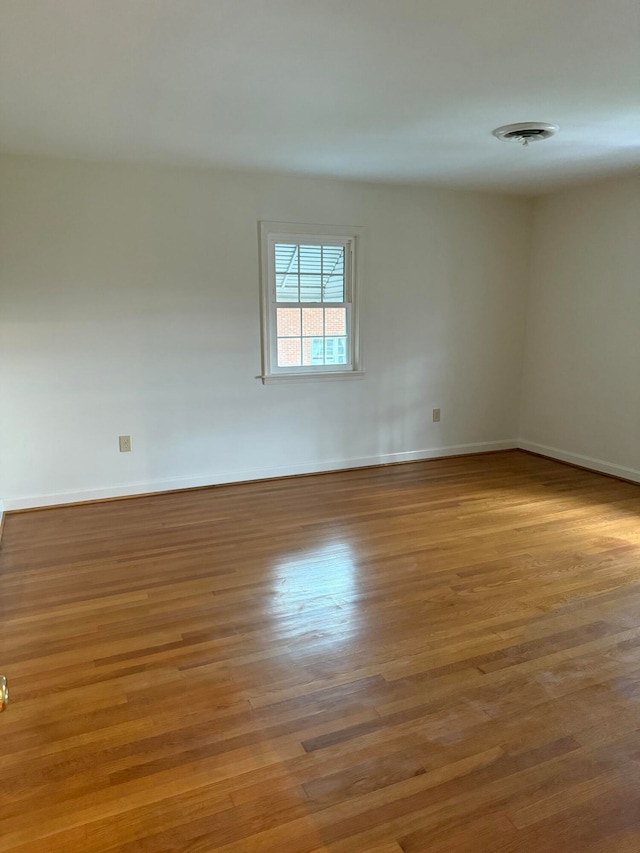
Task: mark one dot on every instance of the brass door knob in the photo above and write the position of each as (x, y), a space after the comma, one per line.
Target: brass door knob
(4, 693)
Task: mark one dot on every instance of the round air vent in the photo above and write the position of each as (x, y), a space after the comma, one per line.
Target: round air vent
(525, 132)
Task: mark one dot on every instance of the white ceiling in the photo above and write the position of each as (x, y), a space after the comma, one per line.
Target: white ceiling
(405, 90)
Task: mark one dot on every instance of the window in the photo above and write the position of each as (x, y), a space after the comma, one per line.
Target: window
(309, 306)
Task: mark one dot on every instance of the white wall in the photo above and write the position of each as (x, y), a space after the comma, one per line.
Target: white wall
(581, 389)
(129, 305)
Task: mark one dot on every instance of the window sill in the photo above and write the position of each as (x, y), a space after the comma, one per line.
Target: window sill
(280, 378)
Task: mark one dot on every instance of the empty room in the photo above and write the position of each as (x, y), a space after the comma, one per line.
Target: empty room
(320, 420)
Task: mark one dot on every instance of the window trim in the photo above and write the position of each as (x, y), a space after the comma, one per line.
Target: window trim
(281, 232)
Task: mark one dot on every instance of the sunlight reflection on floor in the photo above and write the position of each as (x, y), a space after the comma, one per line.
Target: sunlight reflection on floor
(315, 592)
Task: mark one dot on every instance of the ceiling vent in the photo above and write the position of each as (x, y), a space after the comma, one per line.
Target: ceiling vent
(525, 132)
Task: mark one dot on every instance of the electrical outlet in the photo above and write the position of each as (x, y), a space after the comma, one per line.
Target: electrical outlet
(436, 417)
(125, 443)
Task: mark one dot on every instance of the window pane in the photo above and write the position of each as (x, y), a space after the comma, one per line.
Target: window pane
(333, 288)
(306, 352)
(289, 352)
(335, 350)
(288, 322)
(286, 255)
(311, 259)
(333, 260)
(335, 321)
(312, 323)
(313, 350)
(310, 288)
(287, 287)
(333, 273)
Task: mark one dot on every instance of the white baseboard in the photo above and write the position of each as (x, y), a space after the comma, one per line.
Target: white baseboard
(126, 489)
(599, 465)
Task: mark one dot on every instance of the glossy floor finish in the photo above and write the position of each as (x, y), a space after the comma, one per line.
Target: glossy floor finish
(441, 657)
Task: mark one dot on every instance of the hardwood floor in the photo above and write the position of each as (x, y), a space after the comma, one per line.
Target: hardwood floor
(441, 657)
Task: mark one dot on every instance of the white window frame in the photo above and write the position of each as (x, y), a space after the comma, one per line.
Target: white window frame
(337, 235)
